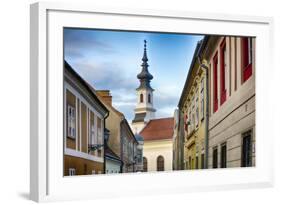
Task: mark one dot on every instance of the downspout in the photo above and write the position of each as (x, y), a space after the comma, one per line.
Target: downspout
(182, 137)
(121, 147)
(207, 114)
(104, 143)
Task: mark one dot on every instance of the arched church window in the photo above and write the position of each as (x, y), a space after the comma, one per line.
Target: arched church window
(141, 98)
(160, 163)
(144, 164)
(149, 98)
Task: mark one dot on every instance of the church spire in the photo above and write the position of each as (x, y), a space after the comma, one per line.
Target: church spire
(144, 110)
(144, 76)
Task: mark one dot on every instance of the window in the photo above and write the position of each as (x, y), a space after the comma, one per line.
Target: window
(186, 122)
(144, 164)
(149, 98)
(247, 53)
(160, 163)
(223, 155)
(141, 98)
(222, 71)
(193, 121)
(202, 161)
(71, 132)
(92, 129)
(197, 111)
(215, 83)
(247, 150)
(100, 138)
(193, 114)
(71, 171)
(215, 157)
(196, 162)
(139, 154)
(94, 172)
(189, 123)
(125, 146)
(202, 99)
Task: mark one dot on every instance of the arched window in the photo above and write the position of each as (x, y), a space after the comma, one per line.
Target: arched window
(144, 164)
(149, 98)
(141, 98)
(160, 163)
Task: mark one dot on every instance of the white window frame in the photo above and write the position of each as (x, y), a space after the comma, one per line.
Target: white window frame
(71, 121)
(71, 171)
(197, 110)
(100, 131)
(202, 99)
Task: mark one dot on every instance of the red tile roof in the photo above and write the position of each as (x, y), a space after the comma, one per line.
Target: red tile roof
(158, 129)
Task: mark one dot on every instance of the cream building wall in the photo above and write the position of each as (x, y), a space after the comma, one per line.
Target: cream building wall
(153, 149)
(237, 114)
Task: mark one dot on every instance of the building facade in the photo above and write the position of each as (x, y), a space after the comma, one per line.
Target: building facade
(231, 66)
(129, 148)
(178, 141)
(122, 141)
(144, 110)
(84, 119)
(192, 106)
(158, 145)
(139, 159)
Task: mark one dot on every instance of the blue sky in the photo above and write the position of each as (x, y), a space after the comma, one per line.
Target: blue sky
(111, 60)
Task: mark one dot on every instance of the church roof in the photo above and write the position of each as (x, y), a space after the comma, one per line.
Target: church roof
(158, 129)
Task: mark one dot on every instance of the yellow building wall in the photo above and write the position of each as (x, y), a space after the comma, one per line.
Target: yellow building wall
(194, 145)
(113, 125)
(82, 166)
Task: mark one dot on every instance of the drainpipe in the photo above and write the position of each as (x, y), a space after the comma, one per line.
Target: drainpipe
(121, 146)
(181, 131)
(207, 114)
(104, 143)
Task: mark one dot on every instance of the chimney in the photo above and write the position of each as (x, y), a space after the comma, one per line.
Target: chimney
(105, 95)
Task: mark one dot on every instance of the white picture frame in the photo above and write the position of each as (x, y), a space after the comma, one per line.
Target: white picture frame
(46, 150)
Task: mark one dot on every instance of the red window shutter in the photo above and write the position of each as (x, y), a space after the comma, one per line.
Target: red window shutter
(246, 65)
(215, 74)
(222, 73)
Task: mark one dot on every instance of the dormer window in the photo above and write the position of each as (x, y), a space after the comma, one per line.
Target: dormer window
(141, 98)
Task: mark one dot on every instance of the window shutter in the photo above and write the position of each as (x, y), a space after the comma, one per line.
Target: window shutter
(246, 46)
(223, 71)
(215, 82)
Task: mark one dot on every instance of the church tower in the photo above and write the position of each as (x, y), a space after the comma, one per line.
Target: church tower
(144, 110)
